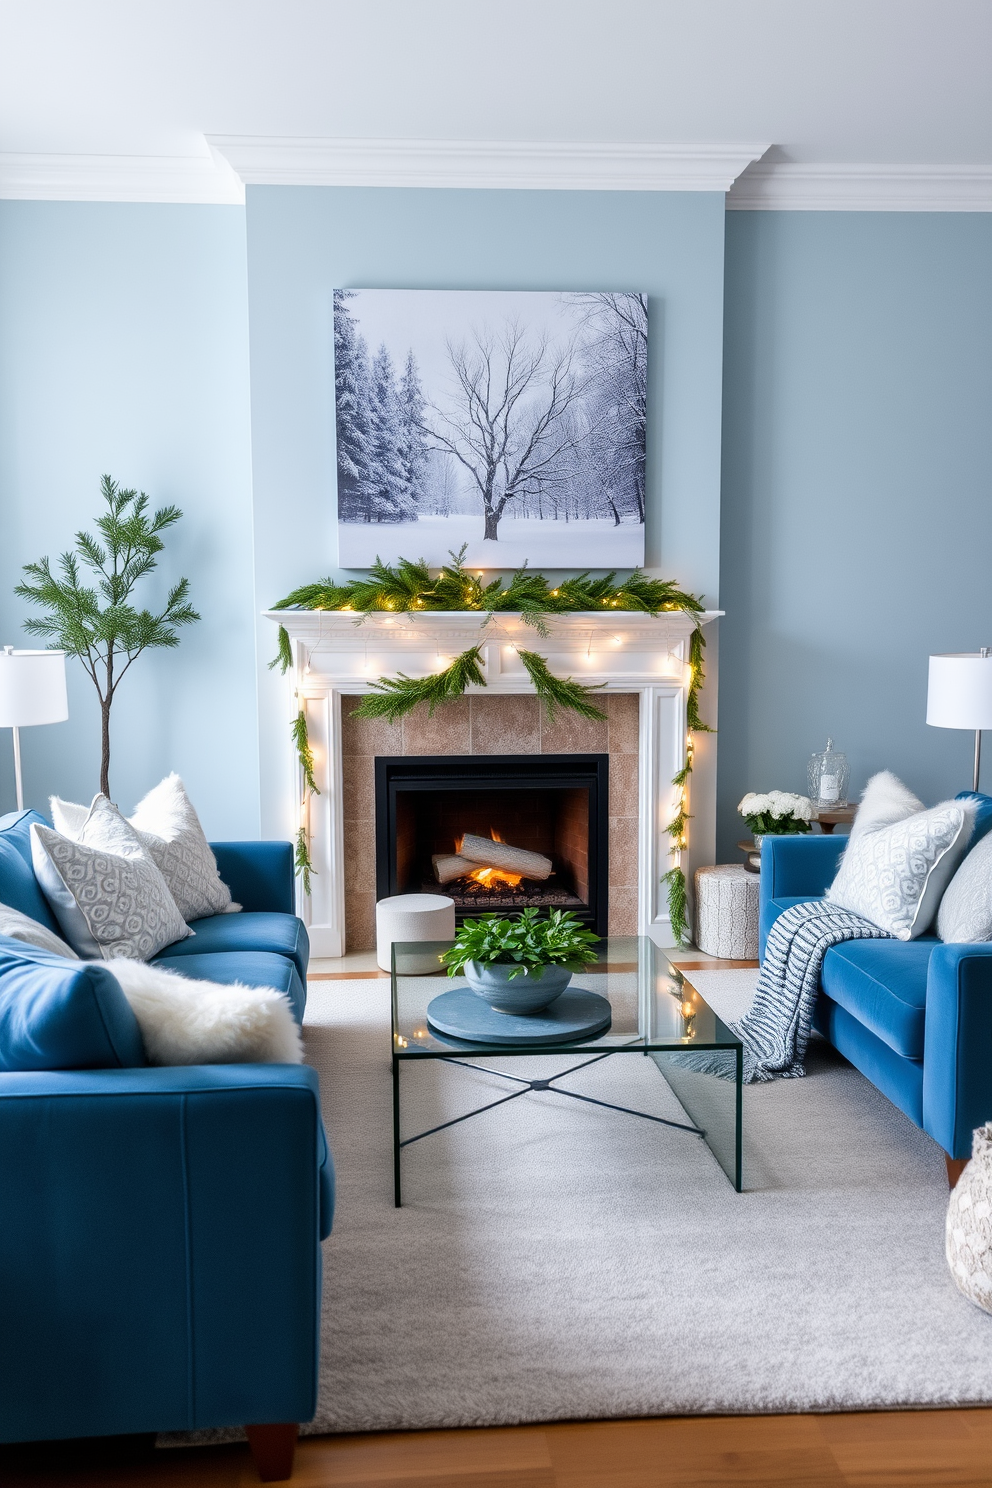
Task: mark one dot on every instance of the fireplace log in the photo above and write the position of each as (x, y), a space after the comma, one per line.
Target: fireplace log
(482, 852)
(448, 866)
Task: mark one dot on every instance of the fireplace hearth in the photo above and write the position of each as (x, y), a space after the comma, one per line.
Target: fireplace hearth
(496, 832)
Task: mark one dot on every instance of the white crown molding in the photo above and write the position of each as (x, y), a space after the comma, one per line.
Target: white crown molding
(198, 179)
(862, 188)
(262, 160)
(236, 160)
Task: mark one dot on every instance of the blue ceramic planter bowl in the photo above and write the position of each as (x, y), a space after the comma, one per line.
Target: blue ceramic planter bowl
(524, 994)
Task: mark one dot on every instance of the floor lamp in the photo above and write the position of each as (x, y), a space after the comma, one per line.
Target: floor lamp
(959, 695)
(32, 690)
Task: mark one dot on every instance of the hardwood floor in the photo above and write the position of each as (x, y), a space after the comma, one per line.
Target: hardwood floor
(873, 1450)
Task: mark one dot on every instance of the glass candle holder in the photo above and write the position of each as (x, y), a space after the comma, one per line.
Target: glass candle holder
(829, 774)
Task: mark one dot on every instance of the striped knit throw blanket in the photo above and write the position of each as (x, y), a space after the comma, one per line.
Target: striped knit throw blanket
(775, 1030)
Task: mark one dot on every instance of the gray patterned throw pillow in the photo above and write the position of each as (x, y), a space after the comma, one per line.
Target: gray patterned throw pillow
(895, 875)
(105, 891)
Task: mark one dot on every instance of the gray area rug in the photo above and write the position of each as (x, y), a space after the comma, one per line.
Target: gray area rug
(554, 1260)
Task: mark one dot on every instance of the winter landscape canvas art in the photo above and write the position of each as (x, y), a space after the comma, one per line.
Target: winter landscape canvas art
(510, 422)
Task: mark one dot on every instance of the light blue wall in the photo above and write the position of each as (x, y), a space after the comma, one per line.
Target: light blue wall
(857, 453)
(304, 242)
(124, 348)
(857, 492)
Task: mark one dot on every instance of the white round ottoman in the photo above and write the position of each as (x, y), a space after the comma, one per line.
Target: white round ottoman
(413, 917)
(727, 911)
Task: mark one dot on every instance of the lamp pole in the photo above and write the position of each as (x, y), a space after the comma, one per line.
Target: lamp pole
(18, 783)
(978, 738)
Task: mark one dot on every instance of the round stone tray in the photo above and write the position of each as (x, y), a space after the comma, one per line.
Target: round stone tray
(463, 1014)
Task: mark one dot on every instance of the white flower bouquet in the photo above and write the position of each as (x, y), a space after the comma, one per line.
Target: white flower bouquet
(777, 812)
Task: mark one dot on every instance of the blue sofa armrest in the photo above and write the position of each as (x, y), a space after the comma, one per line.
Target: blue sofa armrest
(794, 867)
(260, 875)
(159, 1249)
(957, 1052)
(799, 866)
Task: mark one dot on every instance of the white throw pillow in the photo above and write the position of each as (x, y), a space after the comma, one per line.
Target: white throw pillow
(22, 927)
(884, 800)
(965, 913)
(168, 826)
(183, 1021)
(895, 875)
(105, 891)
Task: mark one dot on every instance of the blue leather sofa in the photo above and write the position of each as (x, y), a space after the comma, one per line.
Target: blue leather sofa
(915, 1017)
(159, 1228)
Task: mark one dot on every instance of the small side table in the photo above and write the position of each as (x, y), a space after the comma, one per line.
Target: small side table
(835, 816)
(727, 912)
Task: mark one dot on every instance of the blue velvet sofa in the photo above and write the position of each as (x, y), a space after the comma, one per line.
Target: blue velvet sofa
(159, 1228)
(915, 1017)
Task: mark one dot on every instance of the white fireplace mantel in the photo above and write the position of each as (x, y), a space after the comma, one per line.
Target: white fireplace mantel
(338, 654)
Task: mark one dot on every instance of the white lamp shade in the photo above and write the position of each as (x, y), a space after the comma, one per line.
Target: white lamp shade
(959, 694)
(32, 688)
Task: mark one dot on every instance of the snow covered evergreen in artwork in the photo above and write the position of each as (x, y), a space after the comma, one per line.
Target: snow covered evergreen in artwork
(513, 422)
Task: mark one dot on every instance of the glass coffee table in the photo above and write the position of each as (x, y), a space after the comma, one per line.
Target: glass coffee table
(655, 1012)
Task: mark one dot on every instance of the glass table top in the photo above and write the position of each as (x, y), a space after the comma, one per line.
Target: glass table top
(653, 1005)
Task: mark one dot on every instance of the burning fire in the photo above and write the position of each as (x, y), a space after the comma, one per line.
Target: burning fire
(490, 876)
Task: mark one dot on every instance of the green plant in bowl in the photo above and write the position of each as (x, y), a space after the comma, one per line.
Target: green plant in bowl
(539, 953)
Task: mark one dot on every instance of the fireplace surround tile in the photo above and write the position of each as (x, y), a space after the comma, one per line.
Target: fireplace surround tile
(571, 734)
(358, 775)
(359, 910)
(623, 713)
(623, 783)
(623, 852)
(505, 725)
(368, 735)
(448, 732)
(623, 909)
(359, 859)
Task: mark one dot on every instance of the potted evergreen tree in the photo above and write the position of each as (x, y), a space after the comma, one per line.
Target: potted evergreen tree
(99, 624)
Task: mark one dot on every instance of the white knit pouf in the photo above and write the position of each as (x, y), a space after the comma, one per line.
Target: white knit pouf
(413, 917)
(727, 911)
(969, 1224)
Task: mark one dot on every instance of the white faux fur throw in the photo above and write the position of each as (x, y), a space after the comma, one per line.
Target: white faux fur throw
(884, 801)
(183, 1021)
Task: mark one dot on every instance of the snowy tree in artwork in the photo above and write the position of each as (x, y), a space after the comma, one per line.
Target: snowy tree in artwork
(513, 422)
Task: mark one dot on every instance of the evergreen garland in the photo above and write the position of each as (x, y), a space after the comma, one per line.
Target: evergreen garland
(283, 658)
(677, 912)
(409, 587)
(678, 827)
(301, 738)
(395, 696)
(559, 692)
(302, 860)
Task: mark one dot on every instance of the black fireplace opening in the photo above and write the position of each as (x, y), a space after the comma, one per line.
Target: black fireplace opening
(496, 833)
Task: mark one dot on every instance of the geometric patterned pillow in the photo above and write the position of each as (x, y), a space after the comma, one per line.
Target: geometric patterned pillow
(895, 876)
(105, 891)
(170, 829)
